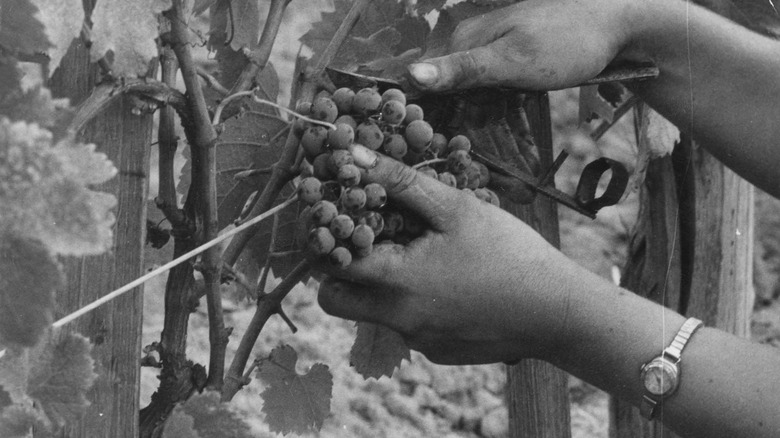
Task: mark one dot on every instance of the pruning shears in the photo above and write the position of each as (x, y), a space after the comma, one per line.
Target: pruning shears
(584, 200)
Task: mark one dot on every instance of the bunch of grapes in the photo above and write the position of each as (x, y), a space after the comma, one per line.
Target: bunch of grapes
(344, 215)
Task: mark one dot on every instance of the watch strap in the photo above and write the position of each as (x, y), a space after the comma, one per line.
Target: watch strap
(674, 350)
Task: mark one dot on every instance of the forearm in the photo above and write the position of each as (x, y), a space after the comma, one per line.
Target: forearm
(718, 81)
(729, 386)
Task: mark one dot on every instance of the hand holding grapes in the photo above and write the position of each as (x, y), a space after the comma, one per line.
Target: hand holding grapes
(439, 291)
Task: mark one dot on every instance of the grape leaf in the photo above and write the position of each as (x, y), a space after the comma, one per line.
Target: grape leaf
(293, 402)
(62, 21)
(251, 140)
(657, 137)
(9, 71)
(246, 26)
(212, 418)
(61, 373)
(29, 278)
(14, 369)
(18, 419)
(20, 29)
(384, 30)
(200, 6)
(38, 106)
(179, 425)
(131, 41)
(425, 6)
(377, 350)
(43, 190)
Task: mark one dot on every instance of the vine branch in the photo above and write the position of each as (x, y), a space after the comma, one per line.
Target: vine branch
(204, 178)
(267, 306)
(259, 57)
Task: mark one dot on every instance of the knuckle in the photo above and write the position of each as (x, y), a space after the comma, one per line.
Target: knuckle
(466, 69)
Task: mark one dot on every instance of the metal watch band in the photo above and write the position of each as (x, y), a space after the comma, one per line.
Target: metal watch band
(674, 349)
(671, 355)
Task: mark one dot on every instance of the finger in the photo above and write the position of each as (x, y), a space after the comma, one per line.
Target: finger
(349, 300)
(435, 202)
(480, 66)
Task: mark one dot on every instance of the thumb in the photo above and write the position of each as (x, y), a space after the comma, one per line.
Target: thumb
(432, 200)
(466, 69)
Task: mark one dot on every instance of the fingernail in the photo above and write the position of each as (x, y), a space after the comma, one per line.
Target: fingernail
(424, 73)
(363, 156)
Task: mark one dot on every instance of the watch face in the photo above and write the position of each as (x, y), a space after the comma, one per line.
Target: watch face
(660, 377)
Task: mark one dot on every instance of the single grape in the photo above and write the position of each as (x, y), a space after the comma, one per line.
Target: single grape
(366, 101)
(343, 98)
(395, 146)
(321, 241)
(482, 194)
(362, 236)
(376, 196)
(347, 120)
(340, 257)
(394, 94)
(299, 127)
(461, 180)
(438, 144)
(310, 190)
(348, 175)
(370, 135)
(303, 108)
(321, 167)
(458, 161)
(331, 191)
(307, 169)
(393, 223)
(323, 212)
(413, 112)
(324, 109)
(341, 226)
(364, 252)
(484, 174)
(338, 159)
(494, 199)
(472, 176)
(313, 140)
(419, 135)
(393, 112)
(373, 219)
(353, 199)
(459, 143)
(448, 178)
(428, 171)
(341, 137)
(322, 94)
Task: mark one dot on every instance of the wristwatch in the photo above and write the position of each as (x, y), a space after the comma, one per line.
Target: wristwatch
(661, 376)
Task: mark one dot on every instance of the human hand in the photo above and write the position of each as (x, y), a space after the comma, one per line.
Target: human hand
(534, 45)
(479, 286)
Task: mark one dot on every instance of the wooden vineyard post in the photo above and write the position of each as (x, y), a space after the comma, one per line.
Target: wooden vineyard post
(115, 328)
(692, 251)
(538, 395)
